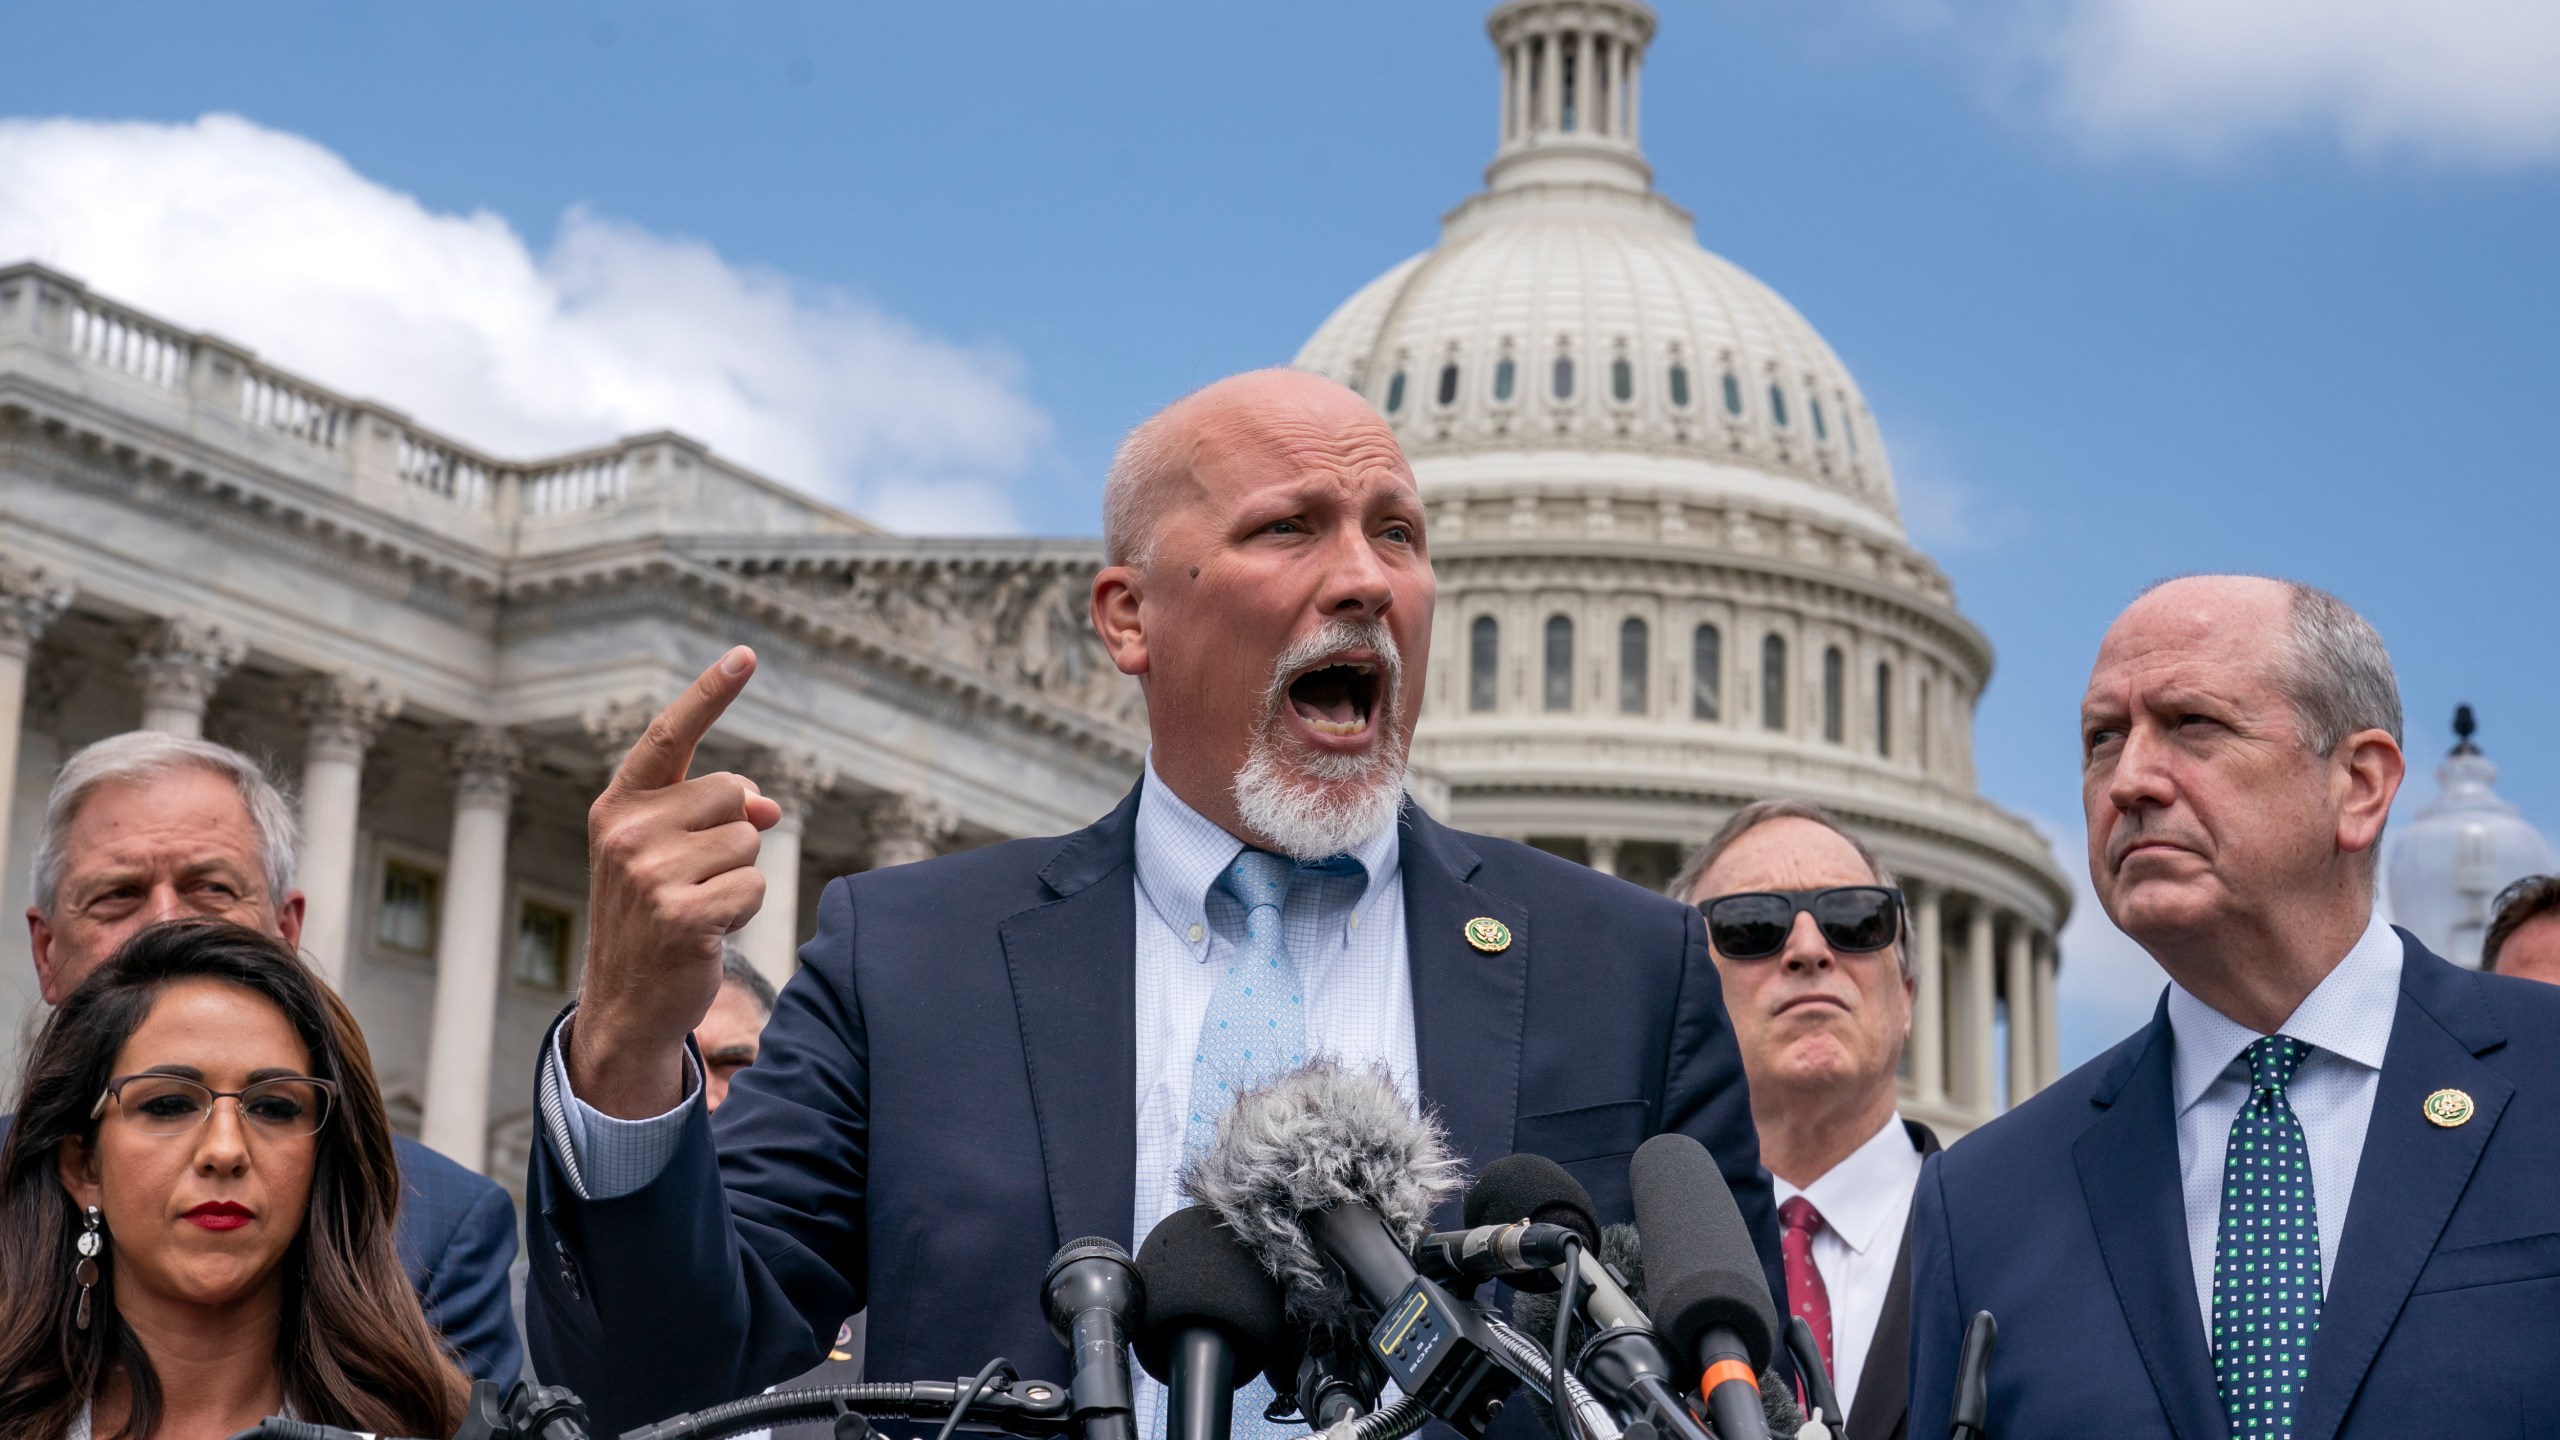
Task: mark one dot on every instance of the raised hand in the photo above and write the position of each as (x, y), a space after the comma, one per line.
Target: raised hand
(671, 873)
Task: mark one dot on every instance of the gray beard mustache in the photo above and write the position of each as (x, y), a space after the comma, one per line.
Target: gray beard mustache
(1313, 806)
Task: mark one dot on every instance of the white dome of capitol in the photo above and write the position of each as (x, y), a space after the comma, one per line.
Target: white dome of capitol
(1568, 307)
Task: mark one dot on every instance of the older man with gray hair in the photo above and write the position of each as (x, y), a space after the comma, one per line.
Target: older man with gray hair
(1807, 930)
(2312, 1197)
(145, 827)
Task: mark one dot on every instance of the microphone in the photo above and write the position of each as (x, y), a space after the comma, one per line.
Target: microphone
(1212, 1320)
(1708, 1292)
(1537, 1189)
(1330, 1181)
(1332, 1381)
(1093, 1298)
(1969, 1415)
(1522, 1252)
(1807, 1353)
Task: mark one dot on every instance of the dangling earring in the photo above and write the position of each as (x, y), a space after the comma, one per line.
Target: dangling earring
(86, 1272)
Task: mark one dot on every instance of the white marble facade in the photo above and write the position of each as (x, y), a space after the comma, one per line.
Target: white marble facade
(1627, 445)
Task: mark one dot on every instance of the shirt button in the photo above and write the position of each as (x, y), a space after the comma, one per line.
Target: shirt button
(1195, 934)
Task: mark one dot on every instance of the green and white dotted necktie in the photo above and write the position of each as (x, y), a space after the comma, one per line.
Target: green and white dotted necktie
(2266, 1266)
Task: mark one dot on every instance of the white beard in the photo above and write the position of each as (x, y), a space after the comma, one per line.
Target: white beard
(1312, 807)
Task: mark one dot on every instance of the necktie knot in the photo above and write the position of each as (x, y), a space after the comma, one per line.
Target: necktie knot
(1798, 1214)
(1257, 879)
(2272, 1061)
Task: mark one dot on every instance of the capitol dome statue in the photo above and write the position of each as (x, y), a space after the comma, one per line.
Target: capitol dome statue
(1673, 576)
(2468, 844)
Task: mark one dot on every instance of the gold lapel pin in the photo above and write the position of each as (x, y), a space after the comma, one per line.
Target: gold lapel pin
(1488, 934)
(2448, 1108)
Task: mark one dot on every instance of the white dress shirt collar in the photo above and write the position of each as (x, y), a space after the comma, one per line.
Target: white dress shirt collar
(2348, 1014)
(1181, 853)
(1870, 1187)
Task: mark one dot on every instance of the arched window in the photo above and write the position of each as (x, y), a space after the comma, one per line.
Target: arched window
(1835, 680)
(1564, 377)
(1505, 374)
(1449, 383)
(1484, 659)
(1820, 430)
(1635, 660)
(1773, 683)
(1884, 709)
(1778, 405)
(1849, 424)
(1395, 392)
(1622, 380)
(1706, 673)
(1559, 679)
(1732, 394)
(1680, 387)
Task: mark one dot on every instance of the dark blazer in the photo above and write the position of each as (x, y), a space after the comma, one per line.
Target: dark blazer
(947, 1091)
(1881, 1406)
(456, 1237)
(2065, 1219)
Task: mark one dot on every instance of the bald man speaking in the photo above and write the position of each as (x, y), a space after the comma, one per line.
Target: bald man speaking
(988, 1054)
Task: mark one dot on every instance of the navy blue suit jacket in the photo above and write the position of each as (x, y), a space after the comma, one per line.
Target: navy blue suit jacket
(457, 1238)
(2065, 1219)
(947, 1091)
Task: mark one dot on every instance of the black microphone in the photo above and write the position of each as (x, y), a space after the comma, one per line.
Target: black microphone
(1535, 1189)
(1332, 1380)
(1970, 1412)
(1708, 1294)
(1094, 1299)
(1522, 1252)
(1213, 1320)
(1331, 1181)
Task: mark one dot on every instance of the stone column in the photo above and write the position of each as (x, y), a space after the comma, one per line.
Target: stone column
(1622, 122)
(1635, 98)
(792, 779)
(1978, 1062)
(907, 827)
(1929, 997)
(30, 601)
(1604, 853)
(345, 712)
(2025, 1042)
(2048, 1012)
(1550, 99)
(179, 665)
(470, 945)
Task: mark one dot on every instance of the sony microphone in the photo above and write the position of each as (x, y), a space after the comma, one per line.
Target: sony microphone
(1708, 1293)
(1212, 1320)
(1331, 1180)
(1094, 1299)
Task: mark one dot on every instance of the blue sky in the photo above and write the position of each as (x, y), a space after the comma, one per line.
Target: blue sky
(2128, 299)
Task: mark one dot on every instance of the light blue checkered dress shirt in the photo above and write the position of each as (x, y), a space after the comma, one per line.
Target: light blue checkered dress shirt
(1346, 935)
(2346, 1020)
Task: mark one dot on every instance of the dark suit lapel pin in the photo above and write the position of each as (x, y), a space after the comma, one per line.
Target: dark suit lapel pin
(2449, 1108)
(1488, 934)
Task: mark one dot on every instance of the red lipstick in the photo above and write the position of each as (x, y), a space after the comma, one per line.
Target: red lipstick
(219, 1215)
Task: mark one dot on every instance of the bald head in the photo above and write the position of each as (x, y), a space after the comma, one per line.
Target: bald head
(1156, 465)
(2323, 657)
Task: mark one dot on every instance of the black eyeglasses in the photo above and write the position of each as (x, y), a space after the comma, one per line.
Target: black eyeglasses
(288, 1107)
(1855, 919)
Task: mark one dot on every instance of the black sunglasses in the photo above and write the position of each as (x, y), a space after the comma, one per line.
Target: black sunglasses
(1855, 919)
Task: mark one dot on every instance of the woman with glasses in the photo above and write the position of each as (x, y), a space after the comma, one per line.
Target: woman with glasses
(196, 1208)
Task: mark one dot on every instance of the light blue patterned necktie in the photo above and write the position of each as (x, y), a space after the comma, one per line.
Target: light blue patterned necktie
(2266, 1263)
(1254, 1032)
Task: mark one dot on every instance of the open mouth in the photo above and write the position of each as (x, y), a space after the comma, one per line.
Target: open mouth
(1338, 700)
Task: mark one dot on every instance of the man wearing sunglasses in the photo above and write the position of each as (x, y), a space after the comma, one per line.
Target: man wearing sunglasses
(1806, 928)
(2313, 1196)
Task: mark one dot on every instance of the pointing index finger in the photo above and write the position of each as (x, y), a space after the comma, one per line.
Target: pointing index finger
(665, 750)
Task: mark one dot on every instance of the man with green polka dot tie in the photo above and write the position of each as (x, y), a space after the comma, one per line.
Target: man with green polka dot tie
(2266, 1269)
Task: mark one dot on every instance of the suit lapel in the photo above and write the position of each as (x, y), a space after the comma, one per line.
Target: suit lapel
(2128, 1162)
(2412, 1174)
(1468, 1005)
(1877, 1411)
(1075, 996)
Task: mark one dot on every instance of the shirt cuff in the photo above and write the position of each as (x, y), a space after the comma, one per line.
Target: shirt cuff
(605, 1157)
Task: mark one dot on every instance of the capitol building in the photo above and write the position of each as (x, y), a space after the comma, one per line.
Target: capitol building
(1673, 579)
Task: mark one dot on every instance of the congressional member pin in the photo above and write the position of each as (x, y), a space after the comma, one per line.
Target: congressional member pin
(1488, 935)
(2449, 1108)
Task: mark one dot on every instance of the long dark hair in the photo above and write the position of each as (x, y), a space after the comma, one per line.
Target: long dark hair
(354, 1349)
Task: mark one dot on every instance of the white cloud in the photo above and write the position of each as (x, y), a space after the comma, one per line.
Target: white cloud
(276, 242)
(2469, 81)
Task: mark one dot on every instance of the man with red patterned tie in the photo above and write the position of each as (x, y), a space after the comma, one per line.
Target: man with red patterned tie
(1807, 930)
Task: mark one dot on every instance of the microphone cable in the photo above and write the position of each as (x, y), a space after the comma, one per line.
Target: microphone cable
(1557, 1368)
(969, 1397)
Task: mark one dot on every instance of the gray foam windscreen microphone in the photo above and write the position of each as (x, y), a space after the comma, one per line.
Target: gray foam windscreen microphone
(1701, 1269)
